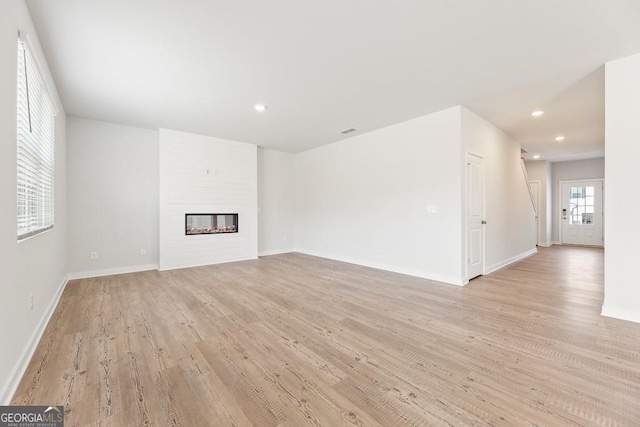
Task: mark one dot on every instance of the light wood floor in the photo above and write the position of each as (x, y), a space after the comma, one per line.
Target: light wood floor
(293, 340)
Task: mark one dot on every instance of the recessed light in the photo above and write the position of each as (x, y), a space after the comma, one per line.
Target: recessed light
(560, 138)
(260, 107)
(537, 156)
(537, 113)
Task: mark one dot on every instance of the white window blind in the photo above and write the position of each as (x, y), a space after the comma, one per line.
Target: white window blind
(35, 148)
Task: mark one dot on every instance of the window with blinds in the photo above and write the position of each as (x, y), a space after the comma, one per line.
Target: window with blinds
(35, 148)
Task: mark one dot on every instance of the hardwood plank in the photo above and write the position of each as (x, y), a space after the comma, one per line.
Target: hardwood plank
(291, 340)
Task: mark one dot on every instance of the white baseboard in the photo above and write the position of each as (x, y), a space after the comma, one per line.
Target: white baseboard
(18, 371)
(450, 280)
(621, 313)
(511, 260)
(545, 245)
(112, 271)
(276, 252)
(556, 242)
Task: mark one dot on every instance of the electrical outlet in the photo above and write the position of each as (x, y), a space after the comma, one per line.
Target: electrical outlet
(143, 251)
(31, 301)
(94, 255)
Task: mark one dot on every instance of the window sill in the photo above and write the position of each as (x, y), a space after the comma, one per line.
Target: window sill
(35, 234)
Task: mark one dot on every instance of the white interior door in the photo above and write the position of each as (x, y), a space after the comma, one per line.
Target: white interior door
(475, 216)
(582, 214)
(535, 194)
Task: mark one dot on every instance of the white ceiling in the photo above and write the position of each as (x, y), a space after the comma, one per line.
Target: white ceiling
(200, 65)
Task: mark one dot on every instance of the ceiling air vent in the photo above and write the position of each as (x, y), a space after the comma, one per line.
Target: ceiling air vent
(346, 131)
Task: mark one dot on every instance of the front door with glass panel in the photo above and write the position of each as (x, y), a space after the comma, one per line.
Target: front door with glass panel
(581, 211)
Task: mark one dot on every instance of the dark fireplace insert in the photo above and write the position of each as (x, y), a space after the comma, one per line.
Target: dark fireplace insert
(210, 223)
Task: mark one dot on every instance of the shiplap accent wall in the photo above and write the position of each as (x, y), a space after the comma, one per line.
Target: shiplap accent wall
(200, 174)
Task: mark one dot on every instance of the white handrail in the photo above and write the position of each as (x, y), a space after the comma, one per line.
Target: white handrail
(526, 179)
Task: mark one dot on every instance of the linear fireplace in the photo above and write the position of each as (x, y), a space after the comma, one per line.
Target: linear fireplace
(210, 223)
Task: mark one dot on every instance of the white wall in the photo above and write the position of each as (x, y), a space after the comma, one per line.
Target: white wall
(540, 170)
(364, 199)
(200, 174)
(113, 197)
(276, 216)
(566, 171)
(510, 233)
(622, 150)
(36, 266)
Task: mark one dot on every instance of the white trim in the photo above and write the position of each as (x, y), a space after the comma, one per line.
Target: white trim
(449, 280)
(555, 242)
(178, 267)
(276, 252)
(621, 313)
(511, 260)
(112, 271)
(10, 387)
(40, 233)
(545, 245)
